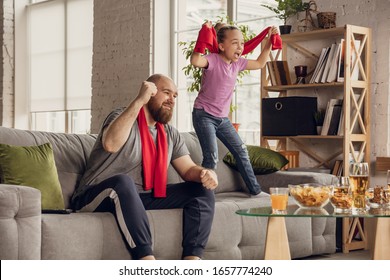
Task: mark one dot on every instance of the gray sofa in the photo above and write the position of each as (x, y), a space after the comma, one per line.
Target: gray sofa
(25, 233)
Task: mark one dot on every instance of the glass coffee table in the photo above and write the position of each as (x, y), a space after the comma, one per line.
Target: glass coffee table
(276, 242)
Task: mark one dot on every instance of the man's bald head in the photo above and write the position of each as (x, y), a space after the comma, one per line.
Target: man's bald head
(155, 78)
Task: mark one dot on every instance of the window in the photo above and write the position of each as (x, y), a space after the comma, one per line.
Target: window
(190, 15)
(60, 58)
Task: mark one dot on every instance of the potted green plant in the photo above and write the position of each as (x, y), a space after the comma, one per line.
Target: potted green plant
(286, 9)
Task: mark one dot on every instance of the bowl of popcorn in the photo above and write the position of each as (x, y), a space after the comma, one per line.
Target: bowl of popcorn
(310, 195)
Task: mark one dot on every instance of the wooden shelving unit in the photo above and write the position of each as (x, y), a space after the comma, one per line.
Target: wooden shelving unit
(356, 111)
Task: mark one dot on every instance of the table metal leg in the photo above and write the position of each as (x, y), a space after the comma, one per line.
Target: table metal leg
(276, 241)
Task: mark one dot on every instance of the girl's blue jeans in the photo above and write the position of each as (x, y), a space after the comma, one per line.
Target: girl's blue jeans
(208, 128)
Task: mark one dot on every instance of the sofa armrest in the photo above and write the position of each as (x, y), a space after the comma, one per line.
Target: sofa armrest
(20, 222)
(284, 178)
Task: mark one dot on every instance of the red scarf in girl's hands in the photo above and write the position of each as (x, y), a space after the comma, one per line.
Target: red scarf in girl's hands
(207, 39)
(276, 41)
(154, 160)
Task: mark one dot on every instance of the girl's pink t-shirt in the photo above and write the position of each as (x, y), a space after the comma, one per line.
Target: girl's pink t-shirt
(218, 81)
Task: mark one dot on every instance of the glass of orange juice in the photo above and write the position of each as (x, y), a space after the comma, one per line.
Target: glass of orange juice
(279, 199)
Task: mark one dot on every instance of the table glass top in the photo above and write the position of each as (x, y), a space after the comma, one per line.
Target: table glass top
(296, 211)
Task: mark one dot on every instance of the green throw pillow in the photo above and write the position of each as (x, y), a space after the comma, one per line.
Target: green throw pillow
(264, 161)
(32, 166)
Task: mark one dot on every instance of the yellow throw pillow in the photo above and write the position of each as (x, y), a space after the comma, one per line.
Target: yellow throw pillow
(32, 166)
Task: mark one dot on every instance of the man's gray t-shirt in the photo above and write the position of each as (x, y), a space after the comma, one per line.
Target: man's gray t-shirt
(102, 165)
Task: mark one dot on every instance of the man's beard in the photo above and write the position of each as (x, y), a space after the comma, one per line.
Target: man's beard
(159, 114)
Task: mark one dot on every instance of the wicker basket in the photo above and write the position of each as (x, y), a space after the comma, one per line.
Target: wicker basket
(326, 19)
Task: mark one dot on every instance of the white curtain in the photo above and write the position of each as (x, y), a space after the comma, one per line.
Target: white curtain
(60, 55)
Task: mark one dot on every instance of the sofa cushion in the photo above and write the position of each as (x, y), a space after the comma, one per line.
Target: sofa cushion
(71, 152)
(32, 166)
(264, 161)
(82, 236)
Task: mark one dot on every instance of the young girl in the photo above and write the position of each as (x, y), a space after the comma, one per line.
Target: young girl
(211, 108)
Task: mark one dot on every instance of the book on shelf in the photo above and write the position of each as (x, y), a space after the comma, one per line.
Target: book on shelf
(335, 118)
(279, 70)
(326, 69)
(355, 46)
(340, 130)
(338, 168)
(326, 123)
(328, 63)
(319, 64)
(340, 71)
(271, 73)
(332, 75)
(316, 68)
(328, 114)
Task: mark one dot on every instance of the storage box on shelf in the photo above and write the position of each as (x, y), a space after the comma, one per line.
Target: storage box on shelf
(351, 82)
(288, 116)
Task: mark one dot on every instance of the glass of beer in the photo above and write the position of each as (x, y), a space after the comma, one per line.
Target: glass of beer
(358, 175)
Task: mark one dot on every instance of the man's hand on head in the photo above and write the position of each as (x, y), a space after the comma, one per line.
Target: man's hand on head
(147, 90)
(209, 179)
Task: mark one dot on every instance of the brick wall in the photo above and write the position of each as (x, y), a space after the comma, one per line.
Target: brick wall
(7, 59)
(121, 54)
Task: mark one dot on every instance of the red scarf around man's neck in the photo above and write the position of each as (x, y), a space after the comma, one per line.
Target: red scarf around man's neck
(207, 39)
(154, 160)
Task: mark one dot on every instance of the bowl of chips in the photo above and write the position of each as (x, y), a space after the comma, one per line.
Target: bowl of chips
(310, 195)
